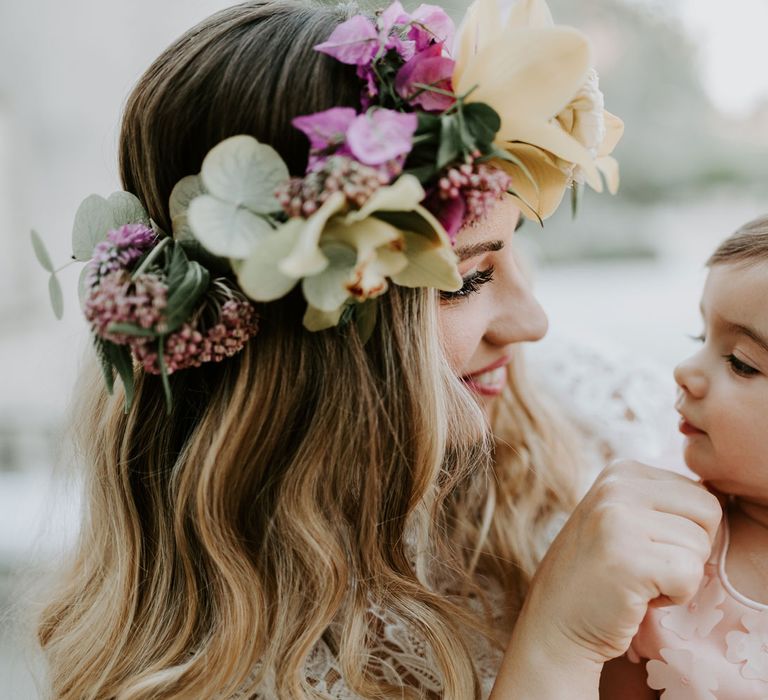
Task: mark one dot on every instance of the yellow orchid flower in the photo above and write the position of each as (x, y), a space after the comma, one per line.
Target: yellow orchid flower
(347, 255)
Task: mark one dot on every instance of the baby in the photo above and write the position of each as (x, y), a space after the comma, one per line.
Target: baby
(716, 646)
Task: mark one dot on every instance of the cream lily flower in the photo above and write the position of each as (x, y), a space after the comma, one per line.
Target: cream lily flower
(344, 257)
(537, 77)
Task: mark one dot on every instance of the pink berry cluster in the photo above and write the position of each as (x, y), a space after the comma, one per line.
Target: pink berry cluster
(478, 184)
(303, 196)
(116, 298)
(120, 250)
(193, 344)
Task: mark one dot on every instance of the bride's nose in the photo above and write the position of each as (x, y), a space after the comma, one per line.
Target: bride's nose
(520, 317)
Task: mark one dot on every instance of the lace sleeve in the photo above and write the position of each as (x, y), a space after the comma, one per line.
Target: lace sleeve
(621, 404)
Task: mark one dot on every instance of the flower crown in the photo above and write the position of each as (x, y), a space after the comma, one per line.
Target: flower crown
(437, 141)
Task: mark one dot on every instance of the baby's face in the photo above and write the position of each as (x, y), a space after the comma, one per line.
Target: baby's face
(723, 398)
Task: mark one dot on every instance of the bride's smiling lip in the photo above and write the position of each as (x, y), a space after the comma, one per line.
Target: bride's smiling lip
(490, 380)
(499, 363)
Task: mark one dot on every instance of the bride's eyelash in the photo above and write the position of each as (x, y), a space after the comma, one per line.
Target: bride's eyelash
(472, 284)
(700, 338)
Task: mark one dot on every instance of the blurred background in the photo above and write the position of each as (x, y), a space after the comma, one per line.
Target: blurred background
(687, 76)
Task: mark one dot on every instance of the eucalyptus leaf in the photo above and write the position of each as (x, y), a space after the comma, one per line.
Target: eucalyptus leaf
(127, 209)
(41, 252)
(57, 298)
(82, 285)
(186, 189)
(96, 216)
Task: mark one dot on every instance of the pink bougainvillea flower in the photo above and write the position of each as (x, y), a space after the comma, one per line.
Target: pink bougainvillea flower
(381, 135)
(682, 677)
(428, 67)
(430, 23)
(751, 646)
(324, 129)
(700, 615)
(354, 42)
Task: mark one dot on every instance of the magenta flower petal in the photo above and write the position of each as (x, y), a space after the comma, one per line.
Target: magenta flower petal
(428, 67)
(450, 213)
(431, 23)
(326, 128)
(381, 135)
(354, 42)
(393, 15)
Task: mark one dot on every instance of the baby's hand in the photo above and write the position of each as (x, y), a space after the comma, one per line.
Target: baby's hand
(641, 534)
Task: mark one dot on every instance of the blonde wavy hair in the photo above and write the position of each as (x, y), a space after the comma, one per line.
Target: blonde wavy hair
(304, 480)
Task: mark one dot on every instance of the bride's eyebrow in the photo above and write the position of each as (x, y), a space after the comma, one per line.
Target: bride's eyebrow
(470, 251)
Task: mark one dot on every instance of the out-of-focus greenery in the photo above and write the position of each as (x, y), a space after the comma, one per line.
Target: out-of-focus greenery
(676, 144)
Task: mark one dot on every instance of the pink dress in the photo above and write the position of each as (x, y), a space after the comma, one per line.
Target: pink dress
(714, 648)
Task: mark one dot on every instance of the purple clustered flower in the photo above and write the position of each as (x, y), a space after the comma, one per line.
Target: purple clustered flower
(303, 196)
(467, 193)
(122, 247)
(116, 298)
(219, 328)
(192, 345)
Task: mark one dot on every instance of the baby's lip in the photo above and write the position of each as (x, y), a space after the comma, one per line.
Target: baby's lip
(686, 427)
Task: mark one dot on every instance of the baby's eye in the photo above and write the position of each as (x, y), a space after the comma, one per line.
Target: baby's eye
(472, 284)
(739, 367)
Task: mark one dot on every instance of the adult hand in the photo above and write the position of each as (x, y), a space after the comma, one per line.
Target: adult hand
(641, 534)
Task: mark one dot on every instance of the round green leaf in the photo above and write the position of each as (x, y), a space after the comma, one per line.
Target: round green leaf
(226, 229)
(57, 298)
(183, 193)
(245, 172)
(41, 252)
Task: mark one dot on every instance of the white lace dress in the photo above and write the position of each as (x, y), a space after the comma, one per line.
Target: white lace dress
(623, 407)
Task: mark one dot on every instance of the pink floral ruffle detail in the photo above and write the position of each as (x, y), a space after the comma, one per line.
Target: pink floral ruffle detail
(700, 615)
(750, 647)
(681, 676)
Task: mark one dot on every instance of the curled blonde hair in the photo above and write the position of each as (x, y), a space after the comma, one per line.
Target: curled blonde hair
(302, 481)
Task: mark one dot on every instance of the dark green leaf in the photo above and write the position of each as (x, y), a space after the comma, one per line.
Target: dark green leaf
(185, 295)
(164, 375)
(122, 360)
(57, 298)
(509, 158)
(482, 121)
(107, 368)
(423, 173)
(366, 315)
(41, 253)
(575, 198)
(450, 141)
(131, 329)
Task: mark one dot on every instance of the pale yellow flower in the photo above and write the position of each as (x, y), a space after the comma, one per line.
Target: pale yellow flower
(345, 256)
(538, 77)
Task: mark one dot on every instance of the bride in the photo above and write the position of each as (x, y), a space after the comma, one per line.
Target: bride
(332, 478)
